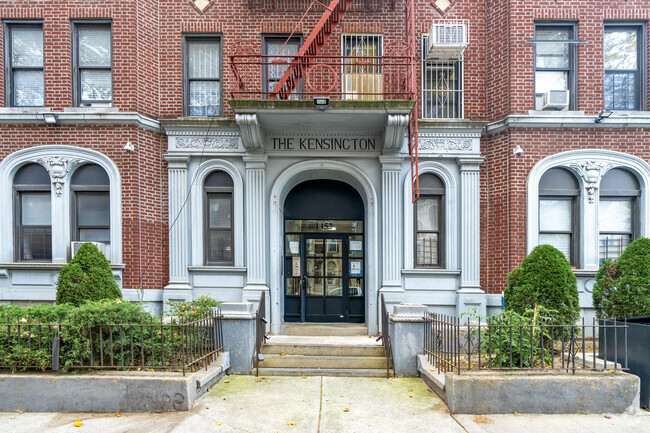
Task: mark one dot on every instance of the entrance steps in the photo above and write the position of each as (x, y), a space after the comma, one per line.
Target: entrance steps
(324, 329)
(296, 355)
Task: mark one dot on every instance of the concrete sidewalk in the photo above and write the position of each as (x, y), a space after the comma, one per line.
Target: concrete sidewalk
(320, 405)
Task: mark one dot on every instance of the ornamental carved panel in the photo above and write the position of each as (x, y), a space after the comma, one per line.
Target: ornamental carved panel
(445, 145)
(223, 143)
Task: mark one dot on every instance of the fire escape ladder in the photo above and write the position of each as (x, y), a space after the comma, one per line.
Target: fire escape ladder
(413, 43)
(298, 66)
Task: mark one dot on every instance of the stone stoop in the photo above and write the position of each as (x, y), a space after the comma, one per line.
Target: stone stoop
(301, 355)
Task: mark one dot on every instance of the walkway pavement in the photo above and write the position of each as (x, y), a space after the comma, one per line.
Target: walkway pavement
(247, 404)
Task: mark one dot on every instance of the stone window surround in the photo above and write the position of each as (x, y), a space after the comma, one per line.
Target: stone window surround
(601, 161)
(70, 157)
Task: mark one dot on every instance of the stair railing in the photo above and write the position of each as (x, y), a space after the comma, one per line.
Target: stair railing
(260, 327)
(385, 337)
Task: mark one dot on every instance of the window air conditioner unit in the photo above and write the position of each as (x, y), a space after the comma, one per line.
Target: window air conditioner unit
(555, 99)
(447, 40)
(75, 245)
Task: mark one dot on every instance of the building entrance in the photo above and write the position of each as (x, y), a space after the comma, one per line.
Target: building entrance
(324, 270)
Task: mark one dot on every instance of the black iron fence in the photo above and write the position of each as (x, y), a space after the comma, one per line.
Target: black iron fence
(501, 343)
(260, 332)
(385, 337)
(182, 344)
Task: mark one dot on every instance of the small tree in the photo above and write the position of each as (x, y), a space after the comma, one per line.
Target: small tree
(622, 286)
(544, 278)
(88, 277)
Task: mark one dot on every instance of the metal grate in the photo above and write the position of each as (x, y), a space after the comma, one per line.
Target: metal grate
(442, 87)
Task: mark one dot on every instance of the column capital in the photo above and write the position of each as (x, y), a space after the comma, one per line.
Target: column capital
(470, 164)
(176, 161)
(391, 162)
(255, 161)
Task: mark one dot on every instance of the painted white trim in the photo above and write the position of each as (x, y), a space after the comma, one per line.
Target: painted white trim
(588, 211)
(323, 169)
(570, 119)
(451, 214)
(197, 211)
(79, 116)
(61, 220)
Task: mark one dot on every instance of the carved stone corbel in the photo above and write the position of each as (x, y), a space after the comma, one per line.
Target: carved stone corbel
(58, 167)
(251, 130)
(591, 172)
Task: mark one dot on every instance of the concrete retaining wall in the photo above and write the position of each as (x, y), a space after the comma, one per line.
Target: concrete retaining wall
(530, 392)
(107, 391)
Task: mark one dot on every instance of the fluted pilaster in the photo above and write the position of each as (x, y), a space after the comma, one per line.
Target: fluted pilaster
(470, 222)
(255, 219)
(178, 216)
(391, 221)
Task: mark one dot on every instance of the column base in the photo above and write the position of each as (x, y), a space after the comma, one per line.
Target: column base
(176, 292)
(471, 301)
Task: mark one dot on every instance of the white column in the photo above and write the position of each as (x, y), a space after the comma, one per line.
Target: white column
(470, 296)
(255, 223)
(178, 287)
(391, 228)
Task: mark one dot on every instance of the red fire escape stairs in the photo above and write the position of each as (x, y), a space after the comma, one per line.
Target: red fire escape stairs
(298, 66)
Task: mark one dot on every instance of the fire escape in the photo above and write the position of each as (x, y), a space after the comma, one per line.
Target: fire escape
(297, 68)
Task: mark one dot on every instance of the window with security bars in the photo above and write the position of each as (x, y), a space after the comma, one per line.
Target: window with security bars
(275, 67)
(617, 209)
(218, 193)
(33, 214)
(25, 84)
(93, 63)
(202, 76)
(362, 67)
(623, 58)
(442, 87)
(429, 222)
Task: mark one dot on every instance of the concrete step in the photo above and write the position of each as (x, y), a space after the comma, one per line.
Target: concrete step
(323, 350)
(324, 329)
(367, 372)
(323, 362)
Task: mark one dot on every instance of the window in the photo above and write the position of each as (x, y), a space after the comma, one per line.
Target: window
(276, 66)
(442, 87)
(617, 212)
(202, 74)
(558, 193)
(218, 190)
(93, 73)
(623, 73)
(25, 85)
(555, 60)
(362, 77)
(91, 204)
(429, 222)
(33, 214)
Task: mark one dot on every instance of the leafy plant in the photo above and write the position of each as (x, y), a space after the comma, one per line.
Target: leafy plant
(622, 286)
(196, 307)
(88, 277)
(544, 278)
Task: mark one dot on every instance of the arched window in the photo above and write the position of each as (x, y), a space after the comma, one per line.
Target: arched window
(558, 204)
(429, 223)
(218, 192)
(90, 204)
(617, 212)
(33, 213)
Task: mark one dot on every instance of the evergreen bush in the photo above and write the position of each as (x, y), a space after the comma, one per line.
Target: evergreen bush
(88, 277)
(622, 286)
(544, 278)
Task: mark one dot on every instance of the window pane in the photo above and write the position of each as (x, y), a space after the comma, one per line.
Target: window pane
(29, 89)
(203, 59)
(355, 287)
(36, 243)
(550, 80)
(219, 246)
(427, 249)
(615, 216)
(611, 246)
(314, 267)
(334, 268)
(220, 213)
(204, 98)
(315, 286)
(95, 235)
(96, 85)
(93, 210)
(555, 216)
(552, 54)
(27, 47)
(621, 90)
(277, 66)
(620, 48)
(334, 287)
(36, 209)
(94, 47)
(560, 241)
(293, 286)
(427, 213)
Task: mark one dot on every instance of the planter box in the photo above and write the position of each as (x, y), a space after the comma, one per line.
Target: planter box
(638, 350)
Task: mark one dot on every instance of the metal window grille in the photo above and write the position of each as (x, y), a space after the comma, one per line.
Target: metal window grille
(362, 67)
(442, 87)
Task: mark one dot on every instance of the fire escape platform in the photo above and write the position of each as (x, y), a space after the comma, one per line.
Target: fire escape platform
(387, 119)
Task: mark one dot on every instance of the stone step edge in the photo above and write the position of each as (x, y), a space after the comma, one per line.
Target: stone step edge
(341, 372)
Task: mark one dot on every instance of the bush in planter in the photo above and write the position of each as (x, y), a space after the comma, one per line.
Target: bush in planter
(544, 278)
(622, 286)
(88, 277)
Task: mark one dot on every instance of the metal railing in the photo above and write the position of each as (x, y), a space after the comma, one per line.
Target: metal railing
(183, 344)
(260, 332)
(385, 338)
(500, 343)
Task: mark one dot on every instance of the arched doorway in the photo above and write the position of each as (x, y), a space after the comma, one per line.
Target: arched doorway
(324, 247)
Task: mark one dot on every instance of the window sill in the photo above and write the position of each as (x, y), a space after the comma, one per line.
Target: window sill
(24, 110)
(45, 266)
(218, 269)
(585, 272)
(91, 109)
(424, 271)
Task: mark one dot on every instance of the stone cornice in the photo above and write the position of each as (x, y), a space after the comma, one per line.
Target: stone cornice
(80, 117)
(570, 119)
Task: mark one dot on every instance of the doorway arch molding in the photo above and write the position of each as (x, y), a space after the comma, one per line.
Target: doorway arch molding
(323, 169)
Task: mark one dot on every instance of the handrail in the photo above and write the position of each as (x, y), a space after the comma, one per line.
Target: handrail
(385, 337)
(260, 334)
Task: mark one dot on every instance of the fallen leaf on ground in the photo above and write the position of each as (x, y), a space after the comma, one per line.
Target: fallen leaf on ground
(304, 377)
(481, 419)
(346, 410)
(20, 412)
(608, 417)
(410, 390)
(226, 381)
(282, 354)
(218, 423)
(78, 423)
(516, 413)
(12, 417)
(410, 396)
(117, 414)
(612, 371)
(160, 411)
(291, 423)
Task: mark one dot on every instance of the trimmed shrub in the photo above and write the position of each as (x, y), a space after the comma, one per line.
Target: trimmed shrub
(196, 307)
(88, 277)
(622, 286)
(544, 278)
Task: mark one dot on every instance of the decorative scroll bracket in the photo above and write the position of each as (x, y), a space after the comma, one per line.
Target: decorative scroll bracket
(58, 167)
(592, 172)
